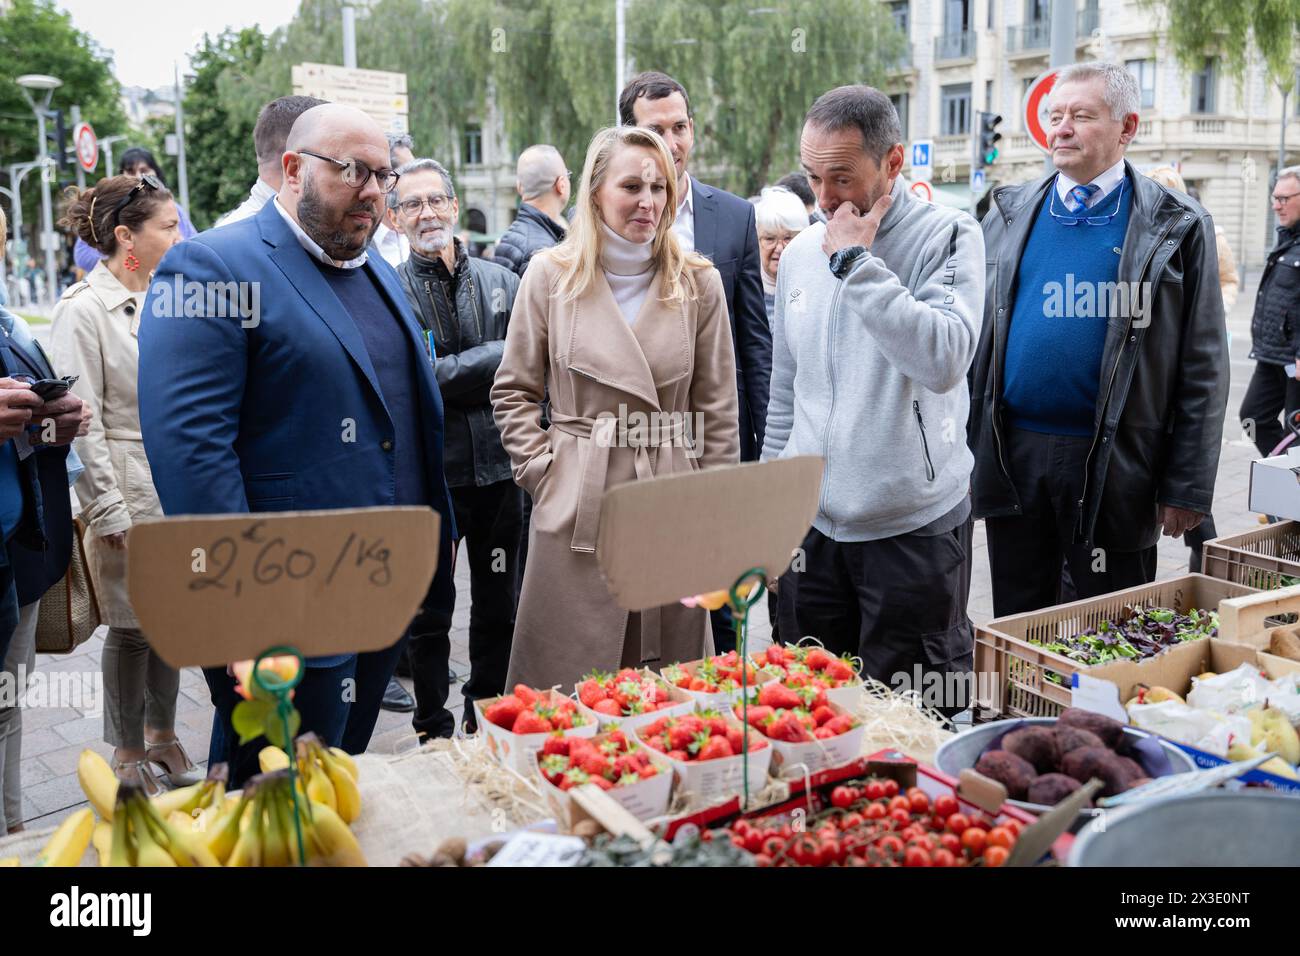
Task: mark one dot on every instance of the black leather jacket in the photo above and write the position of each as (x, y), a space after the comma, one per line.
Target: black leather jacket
(531, 232)
(469, 330)
(1164, 375)
(1275, 324)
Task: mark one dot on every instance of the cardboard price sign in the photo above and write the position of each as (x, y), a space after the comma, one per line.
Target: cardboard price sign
(209, 590)
(668, 538)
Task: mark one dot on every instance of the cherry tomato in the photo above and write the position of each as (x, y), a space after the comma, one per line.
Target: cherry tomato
(958, 823)
(806, 850)
(1001, 836)
(891, 788)
(937, 824)
(916, 856)
(900, 803)
(996, 855)
(941, 858)
(753, 840)
(912, 832)
(762, 860)
(973, 841)
(772, 846)
(875, 811)
(920, 803)
(945, 805)
(900, 815)
(1015, 826)
(890, 845)
(851, 821)
(842, 797)
(950, 842)
(875, 790)
(832, 852)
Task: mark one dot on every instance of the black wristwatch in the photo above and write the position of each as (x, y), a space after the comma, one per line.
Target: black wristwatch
(843, 260)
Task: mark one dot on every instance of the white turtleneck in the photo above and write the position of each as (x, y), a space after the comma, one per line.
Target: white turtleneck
(629, 270)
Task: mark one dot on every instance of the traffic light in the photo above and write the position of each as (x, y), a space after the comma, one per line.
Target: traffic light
(57, 134)
(987, 153)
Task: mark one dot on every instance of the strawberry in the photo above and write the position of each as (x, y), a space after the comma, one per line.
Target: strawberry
(822, 714)
(596, 764)
(563, 720)
(775, 654)
(590, 693)
(603, 783)
(840, 725)
(553, 766)
(557, 746)
(818, 659)
(778, 697)
(607, 706)
(822, 733)
(736, 738)
(504, 712)
(647, 770)
(840, 670)
(681, 755)
(573, 778)
(661, 693)
(526, 694)
(530, 722)
(717, 725)
(680, 735)
(714, 748)
(618, 737)
(757, 714)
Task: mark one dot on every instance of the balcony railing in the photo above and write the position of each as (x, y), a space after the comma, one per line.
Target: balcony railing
(954, 46)
(1030, 36)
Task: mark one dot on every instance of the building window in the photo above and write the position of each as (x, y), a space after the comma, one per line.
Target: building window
(954, 110)
(1204, 82)
(1025, 84)
(471, 146)
(956, 16)
(900, 105)
(1144, 72)
(1036, 11)
(993, 5)
(899, 10)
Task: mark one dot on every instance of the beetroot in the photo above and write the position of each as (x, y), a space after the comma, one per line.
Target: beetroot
(1013, 772)
(1035, 744)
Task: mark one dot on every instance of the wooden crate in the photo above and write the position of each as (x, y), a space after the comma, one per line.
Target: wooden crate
(1014, 675)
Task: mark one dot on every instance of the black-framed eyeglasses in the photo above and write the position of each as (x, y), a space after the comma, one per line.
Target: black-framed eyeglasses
(414, 205)
(356, 173)
(1281, 200)
(147, 181)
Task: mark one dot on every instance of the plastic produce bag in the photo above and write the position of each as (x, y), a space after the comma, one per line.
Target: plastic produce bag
(1230, 693)
(1203, 729)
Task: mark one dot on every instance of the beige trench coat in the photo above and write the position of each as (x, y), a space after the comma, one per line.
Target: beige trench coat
(93, 336)
(600, 370)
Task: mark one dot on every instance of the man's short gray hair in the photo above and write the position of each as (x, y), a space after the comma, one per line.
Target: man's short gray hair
(537, 170)
(1292, 171)
(859, 107)
(420, 165)
(1121, 89)
(397, 140)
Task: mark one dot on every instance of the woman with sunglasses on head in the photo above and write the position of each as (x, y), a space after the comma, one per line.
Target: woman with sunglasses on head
(132, 222)
(136, 161)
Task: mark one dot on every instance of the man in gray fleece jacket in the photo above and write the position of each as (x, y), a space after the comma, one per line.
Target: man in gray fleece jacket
(875, 324)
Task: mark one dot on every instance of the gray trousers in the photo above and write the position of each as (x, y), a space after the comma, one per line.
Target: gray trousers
(140, 689)
(21, 656)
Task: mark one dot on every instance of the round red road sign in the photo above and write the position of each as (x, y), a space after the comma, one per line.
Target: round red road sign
(922, 190)
(87, 146)
(1035, 110)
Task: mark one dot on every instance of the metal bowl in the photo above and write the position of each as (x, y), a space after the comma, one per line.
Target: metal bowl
(1214, 828)
(962, 751)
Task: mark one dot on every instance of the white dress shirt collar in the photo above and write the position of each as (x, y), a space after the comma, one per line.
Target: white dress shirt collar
(313, 247)
(1106, 182)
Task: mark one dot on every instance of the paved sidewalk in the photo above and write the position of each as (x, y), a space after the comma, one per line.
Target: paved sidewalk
(53, 738)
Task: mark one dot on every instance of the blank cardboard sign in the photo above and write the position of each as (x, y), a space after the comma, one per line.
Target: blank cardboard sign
(668, 538)
(209, 590)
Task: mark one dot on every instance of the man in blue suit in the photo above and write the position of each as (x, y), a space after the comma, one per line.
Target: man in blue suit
(720, 227)
(304, 384)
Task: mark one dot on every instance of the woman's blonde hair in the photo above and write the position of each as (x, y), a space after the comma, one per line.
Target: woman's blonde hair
(578, 256)
(1168, 177)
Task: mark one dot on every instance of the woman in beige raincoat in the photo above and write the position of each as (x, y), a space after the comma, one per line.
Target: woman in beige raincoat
(616, 320)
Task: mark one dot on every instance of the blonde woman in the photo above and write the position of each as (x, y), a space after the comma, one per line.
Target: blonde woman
(132, 222)
(616, 320)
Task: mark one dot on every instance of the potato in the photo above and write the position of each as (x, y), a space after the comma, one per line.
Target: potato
(1110, 731)
(1072, 738)
(1051, 788)
(1035, 744)
(1013, 772)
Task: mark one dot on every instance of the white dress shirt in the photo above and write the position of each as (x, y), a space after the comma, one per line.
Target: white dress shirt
(258, 196)
(1106, 182)
(684, 224)
(313, 247)
(392, 245)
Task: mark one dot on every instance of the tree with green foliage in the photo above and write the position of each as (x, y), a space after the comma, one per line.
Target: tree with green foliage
(37, 37)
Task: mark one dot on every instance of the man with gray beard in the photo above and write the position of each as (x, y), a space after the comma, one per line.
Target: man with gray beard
(463, 304)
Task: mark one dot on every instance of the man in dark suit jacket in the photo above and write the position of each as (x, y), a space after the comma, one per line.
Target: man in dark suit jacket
(325, 398)
(719, 226)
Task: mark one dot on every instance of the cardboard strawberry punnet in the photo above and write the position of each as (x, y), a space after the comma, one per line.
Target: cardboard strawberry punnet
(629, 698)
(614, 762)
(811, 665)
(715, 682)
(707, 753)
(517, 724)
(804, 738)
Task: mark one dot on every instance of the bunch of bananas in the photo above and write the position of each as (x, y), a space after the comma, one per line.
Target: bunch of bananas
(327, 774)
(66, 844)
(141, 836)
(264, 828)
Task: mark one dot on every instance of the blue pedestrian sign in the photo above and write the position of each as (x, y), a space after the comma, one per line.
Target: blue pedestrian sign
(922, 156)
(977, 181)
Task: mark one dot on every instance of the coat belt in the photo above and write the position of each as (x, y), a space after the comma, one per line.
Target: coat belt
(123, 434)
(606, 433)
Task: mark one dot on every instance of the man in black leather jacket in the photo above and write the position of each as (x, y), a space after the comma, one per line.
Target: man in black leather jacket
(542, 182)
(463, 304)
(1148, 453)
(1275, 325)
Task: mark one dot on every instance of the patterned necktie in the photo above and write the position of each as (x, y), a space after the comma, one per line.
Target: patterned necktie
(1081, 195)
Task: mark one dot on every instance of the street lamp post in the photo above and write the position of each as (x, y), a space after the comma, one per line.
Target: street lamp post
(47, 85)
(106, 147)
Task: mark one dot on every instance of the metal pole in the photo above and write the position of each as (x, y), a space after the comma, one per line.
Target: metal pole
(47, 214)
(620, 52)
(81, 173)
(182, 181)
(1063, 26)
(1281, 145)
(349, 36)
